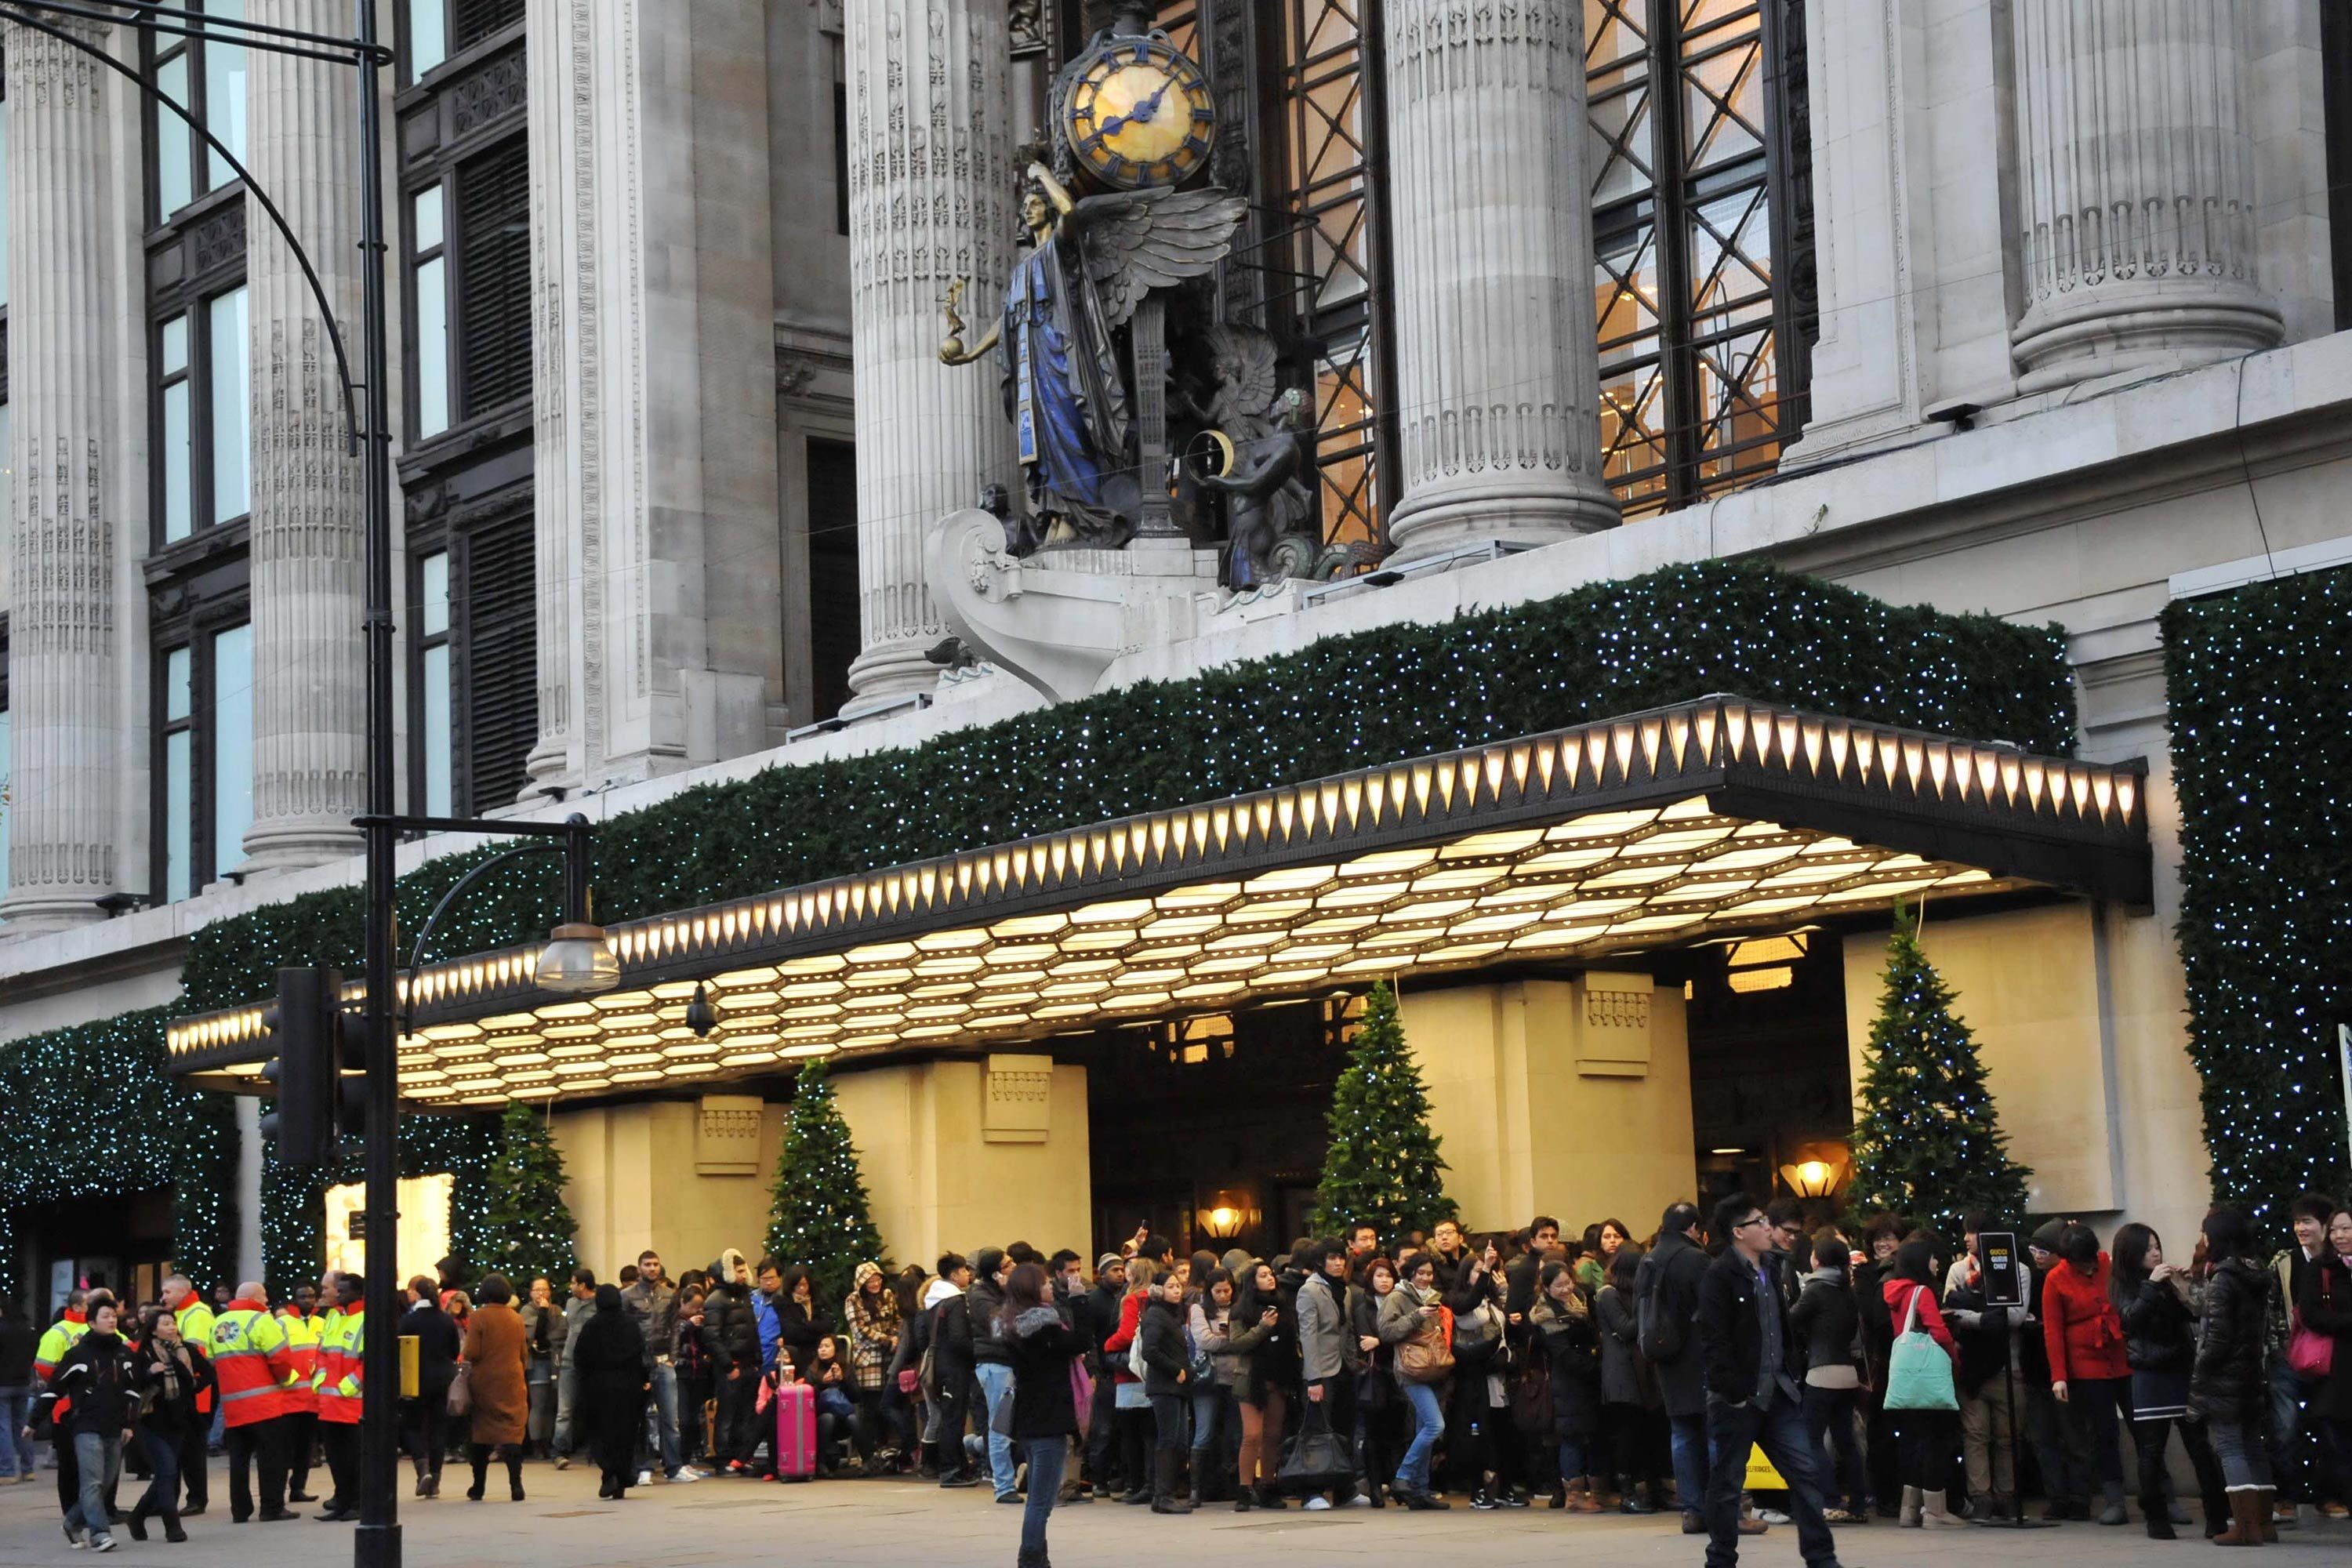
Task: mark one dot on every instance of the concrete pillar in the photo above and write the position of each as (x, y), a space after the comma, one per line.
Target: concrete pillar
(960, 1154)
(309, 699)
(932, 186)
(1509, 1065)
(2135, 149)
(61, 536)
(1498, 370)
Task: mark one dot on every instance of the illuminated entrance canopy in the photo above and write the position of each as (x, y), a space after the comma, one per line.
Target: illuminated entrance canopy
(1678, 825)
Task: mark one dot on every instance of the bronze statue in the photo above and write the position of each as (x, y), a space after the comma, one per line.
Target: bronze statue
(1069, 383)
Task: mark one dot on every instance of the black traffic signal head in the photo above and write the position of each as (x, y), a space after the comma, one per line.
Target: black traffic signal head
(303, 1026)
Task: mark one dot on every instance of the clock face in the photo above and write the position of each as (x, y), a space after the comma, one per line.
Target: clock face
(1140, 114)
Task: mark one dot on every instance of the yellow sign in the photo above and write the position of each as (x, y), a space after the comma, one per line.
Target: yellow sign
(1762, 1476)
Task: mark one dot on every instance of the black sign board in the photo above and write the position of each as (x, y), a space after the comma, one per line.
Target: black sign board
(2005, 1269)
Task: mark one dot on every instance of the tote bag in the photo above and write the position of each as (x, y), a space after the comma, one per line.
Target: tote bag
(1918, 1373)
(2311, 1353)
(461, 1393)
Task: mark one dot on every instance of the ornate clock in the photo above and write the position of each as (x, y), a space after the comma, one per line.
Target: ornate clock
(1140, 114)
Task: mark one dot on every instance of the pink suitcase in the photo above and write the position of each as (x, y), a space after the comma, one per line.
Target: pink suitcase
(795, 1432)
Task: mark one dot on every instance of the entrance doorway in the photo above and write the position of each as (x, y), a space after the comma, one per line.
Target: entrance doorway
(1770, 1082)
(1223, 1113)
(122, 1243)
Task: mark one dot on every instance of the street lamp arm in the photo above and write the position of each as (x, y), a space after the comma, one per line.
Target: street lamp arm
(343, 47)
(417, 954)
(251, 35)
(14, 12)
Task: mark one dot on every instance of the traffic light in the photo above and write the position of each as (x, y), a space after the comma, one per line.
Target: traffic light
(304, 1027)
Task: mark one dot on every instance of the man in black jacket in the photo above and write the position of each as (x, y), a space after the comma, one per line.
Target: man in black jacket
(949, 1315)
(1665, 1290)
(1752, 1363)
(1103, 1303)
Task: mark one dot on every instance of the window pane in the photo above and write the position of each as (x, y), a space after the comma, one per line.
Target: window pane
(178, 485)
(3, 252)
(436, 739)
(232, 745)
(178, 695)
(175, 346)
(428, 38)
(172, 139)
(231, 405)
(433, 611)
(223, 97)
(432, 348)
(178, 802)
(425, 208)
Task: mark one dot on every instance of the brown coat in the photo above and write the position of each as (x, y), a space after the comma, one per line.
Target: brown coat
(497, 1353)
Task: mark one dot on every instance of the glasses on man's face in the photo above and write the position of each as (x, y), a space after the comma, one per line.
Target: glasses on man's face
(1749, 1222)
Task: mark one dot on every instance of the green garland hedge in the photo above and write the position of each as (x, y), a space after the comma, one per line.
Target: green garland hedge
(1378, 695)
(2259, 682)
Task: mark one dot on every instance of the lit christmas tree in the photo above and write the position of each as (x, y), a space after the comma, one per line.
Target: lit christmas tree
(1382, 1167)
(1928, 1144)
(822, 1218)
(528, 1231)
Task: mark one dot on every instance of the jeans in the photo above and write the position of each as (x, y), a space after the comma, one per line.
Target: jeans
(834, 1403)
(1209, 1418)
(1573, 1466)
(664, 1381)
(1829, 1417)
(1687, 1438)
(2245, 1458)
(99, 1456)
(2290, 1437)
(567, 1396)
(1428, 1421)
(1046, 1457)
(995, 1379)
(1779, 1430)
(162, 1451)
(15, 1448)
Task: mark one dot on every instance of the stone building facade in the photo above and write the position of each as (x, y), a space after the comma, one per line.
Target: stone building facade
(2028, 306)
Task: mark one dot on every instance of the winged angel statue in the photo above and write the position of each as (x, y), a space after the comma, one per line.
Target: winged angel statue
(1069, 388)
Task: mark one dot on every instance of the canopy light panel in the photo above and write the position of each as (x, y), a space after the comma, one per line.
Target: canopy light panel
(1697, 822)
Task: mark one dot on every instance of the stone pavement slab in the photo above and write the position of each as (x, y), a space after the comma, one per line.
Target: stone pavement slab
(885, 1523)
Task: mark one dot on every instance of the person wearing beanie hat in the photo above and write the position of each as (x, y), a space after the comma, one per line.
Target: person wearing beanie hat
(2044, 1242)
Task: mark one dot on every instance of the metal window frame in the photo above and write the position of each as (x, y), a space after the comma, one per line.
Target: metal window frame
(188, 612)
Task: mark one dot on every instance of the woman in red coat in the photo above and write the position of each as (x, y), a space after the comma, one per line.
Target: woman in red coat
(1925, 1440)
(2090, 1376)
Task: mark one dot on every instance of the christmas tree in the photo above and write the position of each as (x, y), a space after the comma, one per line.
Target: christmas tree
(1928, 1144)
(821, 1217)
(526, 1230)
(1382, 1167)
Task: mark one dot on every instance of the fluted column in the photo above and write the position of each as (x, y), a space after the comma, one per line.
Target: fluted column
(932, 188)
(567, 406)
(310, 695)
(2134, 140)
(1498, 370)
(61, 679)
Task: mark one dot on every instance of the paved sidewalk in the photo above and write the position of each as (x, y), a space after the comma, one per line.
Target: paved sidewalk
(885, 1523)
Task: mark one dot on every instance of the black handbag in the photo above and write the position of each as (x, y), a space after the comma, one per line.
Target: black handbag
(1316, 1461)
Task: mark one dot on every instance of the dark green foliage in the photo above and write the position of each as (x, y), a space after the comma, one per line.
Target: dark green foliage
(293, 1203)
(1928, 1144)
(87, 1112)
(1374, 697)
(821, 1217)
(2259, 682)
(1382, 1165)
(527, 1229)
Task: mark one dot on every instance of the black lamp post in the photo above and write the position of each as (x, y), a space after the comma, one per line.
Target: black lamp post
(377, 1542)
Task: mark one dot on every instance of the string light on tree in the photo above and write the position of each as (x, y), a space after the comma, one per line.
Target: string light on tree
(1383, 1166)
(821, 1216)
(528, 1230)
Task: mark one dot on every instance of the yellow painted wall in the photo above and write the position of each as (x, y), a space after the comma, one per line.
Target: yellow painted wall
(939, 1185)
(1524, 1132)
(631, 1183)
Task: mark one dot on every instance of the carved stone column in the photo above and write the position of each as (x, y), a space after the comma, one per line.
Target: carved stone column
(2134, 140)
(310, 695)
(933, 189)
(1498, 370)
(63, 784)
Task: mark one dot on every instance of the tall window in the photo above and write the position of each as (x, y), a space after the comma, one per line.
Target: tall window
(832, 570)
(204, 766)
(205, 412)
(5, 739)
(1692, 191)
(468, 247)
(434, 30)
(208, 79)
(473, 655)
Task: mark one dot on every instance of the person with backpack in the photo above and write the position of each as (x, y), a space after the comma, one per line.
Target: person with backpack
(1666, 1303)
(948, 1320)
(1632, 1420)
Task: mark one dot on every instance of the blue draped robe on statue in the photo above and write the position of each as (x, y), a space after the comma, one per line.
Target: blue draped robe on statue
(1062, 391)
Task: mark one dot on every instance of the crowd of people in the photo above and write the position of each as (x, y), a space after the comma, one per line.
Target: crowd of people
(1880, 1375)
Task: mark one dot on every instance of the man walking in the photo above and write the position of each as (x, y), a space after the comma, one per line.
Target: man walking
(1752, 1398)
(254, 1363)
